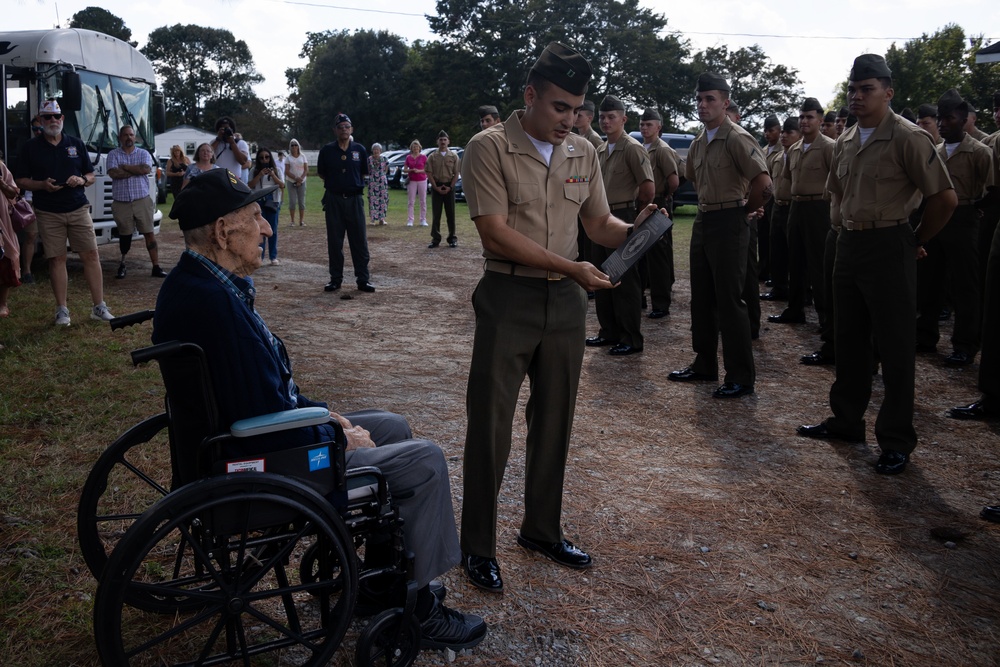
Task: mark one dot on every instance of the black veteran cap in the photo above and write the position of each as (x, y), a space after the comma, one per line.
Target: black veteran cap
(811, 104)
(771, 121)
(564, 67)
(588, 105)
(651, 114)
(711, 81)
(927, 111)
(612, 103)
(869, 66)
(791, 124)
(211, 195)
(951, 101)
(488, 110)
(341, 118)
(907, 113)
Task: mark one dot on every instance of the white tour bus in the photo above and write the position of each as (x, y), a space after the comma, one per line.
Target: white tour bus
(101, 83)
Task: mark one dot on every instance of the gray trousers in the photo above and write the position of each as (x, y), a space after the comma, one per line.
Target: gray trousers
(417, 476)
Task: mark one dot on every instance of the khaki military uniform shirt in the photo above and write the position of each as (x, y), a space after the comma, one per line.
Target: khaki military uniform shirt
(624, 169)
(665, 162)
(881, 180)
(993, 143)
(971, 169)
(723, 168)
(809, 169)
(978, 135)
(503, 174)
(782, 183)
(443, 169)
(593, 137)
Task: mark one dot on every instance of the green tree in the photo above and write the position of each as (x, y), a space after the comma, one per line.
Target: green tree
(360, 74)
(101, 20)
(759, 87)
(205, 72)
(925, 67)
(626, 45)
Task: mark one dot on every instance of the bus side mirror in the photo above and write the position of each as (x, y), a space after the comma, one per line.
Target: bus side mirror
(72, 93)
(159, 113)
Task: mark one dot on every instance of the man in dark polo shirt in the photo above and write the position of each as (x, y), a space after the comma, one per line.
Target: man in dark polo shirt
(342, 165)
(56, 168)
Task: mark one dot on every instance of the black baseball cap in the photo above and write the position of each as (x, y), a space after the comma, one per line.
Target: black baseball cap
(211, 195)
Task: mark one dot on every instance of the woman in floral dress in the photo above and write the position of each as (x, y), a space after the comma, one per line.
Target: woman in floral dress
(378, 185)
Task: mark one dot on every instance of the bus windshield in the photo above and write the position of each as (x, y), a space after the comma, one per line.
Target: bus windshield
(108, 103)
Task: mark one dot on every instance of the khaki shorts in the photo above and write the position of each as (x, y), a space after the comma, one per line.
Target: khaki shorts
(132, 215)
(55, 228)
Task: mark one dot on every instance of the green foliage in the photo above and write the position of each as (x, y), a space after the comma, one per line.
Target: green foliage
(101, 20)
(206, 72)
(759, 87)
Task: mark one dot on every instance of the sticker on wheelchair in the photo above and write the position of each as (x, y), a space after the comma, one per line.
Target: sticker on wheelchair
(250, 465)
(319, 459)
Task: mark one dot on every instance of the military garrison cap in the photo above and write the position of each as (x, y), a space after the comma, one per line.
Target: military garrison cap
(488, 110)
(712, 81)
(771, 121)
(442, 135)
(830, 117)
(869, 66)
(842, 113)
(564, 67)
(612, 103)
(588, 105)
(651, 114)
(952, 101)
(927, 111)
(791, 125)
(811, 104)
(907, 113)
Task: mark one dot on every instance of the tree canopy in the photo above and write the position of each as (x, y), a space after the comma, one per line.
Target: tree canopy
(101, 20)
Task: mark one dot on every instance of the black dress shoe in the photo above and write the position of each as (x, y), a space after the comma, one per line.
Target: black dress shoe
(689, 375)
(366, 287)
(821, 431)
(483, 572)
(563, 552)
(447, 628)
(331, 287)
(816, 359)
(732, 390)
(991, 513)
(957, 358)
(972, 411)
(599, 341)
(433, 244)
(453, 243)
(656, 314)
(787, 317)
(623, 349)
(892, 463)
(157, 272)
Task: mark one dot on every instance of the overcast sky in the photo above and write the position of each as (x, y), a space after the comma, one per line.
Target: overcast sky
(819, 39)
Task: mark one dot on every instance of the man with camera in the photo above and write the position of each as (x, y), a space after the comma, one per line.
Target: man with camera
(230, 153)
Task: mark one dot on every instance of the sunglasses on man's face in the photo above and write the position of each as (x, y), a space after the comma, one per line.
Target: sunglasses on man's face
(51, 116)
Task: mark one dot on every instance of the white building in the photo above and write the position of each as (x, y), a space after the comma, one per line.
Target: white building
(185, 136)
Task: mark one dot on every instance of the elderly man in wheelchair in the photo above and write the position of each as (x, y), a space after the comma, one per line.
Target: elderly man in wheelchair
(208, 301)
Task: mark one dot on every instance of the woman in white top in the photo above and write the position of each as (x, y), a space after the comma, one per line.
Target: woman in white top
(296, 170)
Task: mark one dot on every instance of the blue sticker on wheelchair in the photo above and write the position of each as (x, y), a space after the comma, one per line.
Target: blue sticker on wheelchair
(319, 459)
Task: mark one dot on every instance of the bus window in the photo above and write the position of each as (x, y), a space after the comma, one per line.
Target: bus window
(15, 111)
(133, 106)
(95, 123)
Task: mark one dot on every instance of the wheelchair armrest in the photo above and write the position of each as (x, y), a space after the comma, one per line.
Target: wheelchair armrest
(280, 421)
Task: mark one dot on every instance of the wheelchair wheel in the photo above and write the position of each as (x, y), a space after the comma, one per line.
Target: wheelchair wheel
(129, 477)
(224, 555)
(390, 640)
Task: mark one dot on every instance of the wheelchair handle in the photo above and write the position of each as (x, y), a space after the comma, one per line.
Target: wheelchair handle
(128, 320)
(164, 351)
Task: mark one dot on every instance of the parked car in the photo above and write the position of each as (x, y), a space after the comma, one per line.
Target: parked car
(161, 180)
(685, 194)
(396, 169)
(404, 179)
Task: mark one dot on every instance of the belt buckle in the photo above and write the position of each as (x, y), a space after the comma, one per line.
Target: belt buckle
(552, 275)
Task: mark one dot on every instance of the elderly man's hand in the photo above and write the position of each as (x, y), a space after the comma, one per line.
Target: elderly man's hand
(357, 437)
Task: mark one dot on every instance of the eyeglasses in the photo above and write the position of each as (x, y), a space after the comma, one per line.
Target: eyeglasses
(51, 116)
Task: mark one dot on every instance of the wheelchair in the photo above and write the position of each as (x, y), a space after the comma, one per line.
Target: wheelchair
(204, 559)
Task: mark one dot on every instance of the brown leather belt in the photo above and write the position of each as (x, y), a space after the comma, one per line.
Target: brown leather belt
(622, 205)
(860, 226)
(806, 197)
(721, 206)
(512, 269)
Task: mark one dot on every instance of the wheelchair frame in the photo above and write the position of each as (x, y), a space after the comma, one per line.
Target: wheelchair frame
(236, 561)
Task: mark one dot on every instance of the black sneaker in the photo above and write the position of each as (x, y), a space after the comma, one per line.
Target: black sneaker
(158, 272)
(121, 271)
(447, 628)
(331, 287)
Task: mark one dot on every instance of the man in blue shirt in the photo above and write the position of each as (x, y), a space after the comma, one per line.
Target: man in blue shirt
(208, 299)
(343, 165)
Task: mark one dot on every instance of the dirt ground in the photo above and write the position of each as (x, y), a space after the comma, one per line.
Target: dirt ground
(718, 536)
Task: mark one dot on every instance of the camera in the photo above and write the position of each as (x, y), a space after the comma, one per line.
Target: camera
(227, 131)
